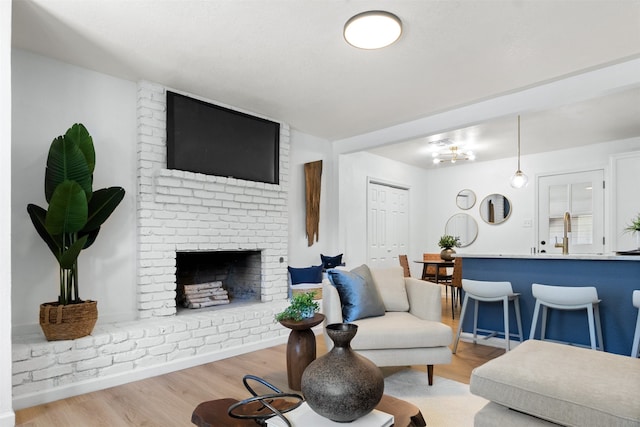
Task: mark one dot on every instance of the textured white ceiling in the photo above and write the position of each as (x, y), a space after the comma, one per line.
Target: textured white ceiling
(287, 60)
(607, 118)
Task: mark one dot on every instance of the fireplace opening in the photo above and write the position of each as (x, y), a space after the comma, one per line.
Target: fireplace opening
(216, 278)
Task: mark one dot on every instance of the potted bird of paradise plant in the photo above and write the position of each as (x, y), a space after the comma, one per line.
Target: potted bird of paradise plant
(70, 224)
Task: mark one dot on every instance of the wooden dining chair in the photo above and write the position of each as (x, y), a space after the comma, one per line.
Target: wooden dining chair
(431, 270)
(444, 277)
(456, 285)
(404, 262)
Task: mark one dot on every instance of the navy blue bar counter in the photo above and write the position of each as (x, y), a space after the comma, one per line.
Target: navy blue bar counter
(615, 277)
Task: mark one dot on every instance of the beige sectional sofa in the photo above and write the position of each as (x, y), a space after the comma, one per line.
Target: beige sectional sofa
(409, 332)
(546, 383)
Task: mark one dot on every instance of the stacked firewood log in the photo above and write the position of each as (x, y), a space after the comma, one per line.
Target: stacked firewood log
(205, 295)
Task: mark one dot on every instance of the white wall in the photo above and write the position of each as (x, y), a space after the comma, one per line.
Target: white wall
(433, 195)
(441, 187)
(485, 178)
(7, 417)
(49, 96)
(354, 172)
(306, 148)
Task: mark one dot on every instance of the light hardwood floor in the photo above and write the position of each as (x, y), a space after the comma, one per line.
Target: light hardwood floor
(168, 400)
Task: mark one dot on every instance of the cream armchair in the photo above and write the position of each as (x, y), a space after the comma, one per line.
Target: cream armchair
(410, 331)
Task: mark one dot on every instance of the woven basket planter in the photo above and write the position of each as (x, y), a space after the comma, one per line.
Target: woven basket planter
(68, 322)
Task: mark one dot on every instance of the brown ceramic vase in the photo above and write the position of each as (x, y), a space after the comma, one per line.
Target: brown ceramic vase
(342, 385)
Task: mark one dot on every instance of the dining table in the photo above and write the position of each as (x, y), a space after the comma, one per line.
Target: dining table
(437, 264)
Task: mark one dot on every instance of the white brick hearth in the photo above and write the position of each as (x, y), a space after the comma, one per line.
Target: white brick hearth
(177, 211)
(118, 353)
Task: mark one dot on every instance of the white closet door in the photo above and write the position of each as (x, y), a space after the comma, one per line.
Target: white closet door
(387, 224)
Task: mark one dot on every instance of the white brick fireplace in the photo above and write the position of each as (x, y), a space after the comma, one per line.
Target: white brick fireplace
(176, 212)
(183, 211)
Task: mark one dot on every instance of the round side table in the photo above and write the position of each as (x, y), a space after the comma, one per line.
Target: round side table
(301, 347)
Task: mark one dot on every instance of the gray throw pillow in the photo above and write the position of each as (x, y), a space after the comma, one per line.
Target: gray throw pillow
(359, 295)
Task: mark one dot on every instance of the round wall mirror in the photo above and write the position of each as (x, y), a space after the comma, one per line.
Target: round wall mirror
(466, 199)
(464, 226)
(495, 209)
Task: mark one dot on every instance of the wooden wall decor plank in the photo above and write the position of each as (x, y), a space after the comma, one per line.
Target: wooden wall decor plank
(313, 176)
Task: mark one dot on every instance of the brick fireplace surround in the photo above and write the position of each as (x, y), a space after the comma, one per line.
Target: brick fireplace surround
(177, 211)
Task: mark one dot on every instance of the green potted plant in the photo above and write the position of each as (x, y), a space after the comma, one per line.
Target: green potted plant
(302, 306)
(70, 224)
(634, 228)
(447, 243)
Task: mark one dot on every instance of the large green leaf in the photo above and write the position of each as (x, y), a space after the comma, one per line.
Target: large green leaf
(70, 256)
(80, 135)
(66, 162)
(91, 236)
(102, 205)
(38, 215)
(68, 209)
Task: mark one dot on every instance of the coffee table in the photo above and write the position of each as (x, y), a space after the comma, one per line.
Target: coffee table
(213, 413)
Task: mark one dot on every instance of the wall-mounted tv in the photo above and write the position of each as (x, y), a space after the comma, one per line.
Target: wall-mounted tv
(213, 140)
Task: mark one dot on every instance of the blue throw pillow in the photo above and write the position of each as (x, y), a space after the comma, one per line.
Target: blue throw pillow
(331, 261)
(359, 295)
(311, 274)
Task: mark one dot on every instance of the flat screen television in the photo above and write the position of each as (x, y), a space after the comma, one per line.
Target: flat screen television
(213, 140)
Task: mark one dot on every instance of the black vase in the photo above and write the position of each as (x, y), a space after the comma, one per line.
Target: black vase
(342, 385)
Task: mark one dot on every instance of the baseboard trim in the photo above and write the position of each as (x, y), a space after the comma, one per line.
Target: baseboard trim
(7, 419)
(95, 384)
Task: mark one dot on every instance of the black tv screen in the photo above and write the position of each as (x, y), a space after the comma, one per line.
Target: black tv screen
(213, 140)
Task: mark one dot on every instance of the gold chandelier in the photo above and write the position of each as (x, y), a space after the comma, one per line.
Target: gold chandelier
(453, 155)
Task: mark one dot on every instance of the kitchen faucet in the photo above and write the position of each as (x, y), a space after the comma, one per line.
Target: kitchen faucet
(565, 237)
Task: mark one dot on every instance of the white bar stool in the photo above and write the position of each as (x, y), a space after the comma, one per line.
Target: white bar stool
(636, 336)
(483, 291)
(567, 298)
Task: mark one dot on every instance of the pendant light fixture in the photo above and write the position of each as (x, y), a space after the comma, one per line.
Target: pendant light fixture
(373, 29)
(519, 179)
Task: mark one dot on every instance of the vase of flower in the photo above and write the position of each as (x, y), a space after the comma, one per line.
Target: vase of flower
(342, 385)
(634, 228)
(447, 243)
(303, 306)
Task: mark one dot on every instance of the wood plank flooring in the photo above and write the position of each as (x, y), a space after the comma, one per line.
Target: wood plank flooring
(168, 400)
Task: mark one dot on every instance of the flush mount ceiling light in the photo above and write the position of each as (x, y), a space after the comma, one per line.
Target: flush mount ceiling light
(453, 155)
(519, 179)
(374, 29)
